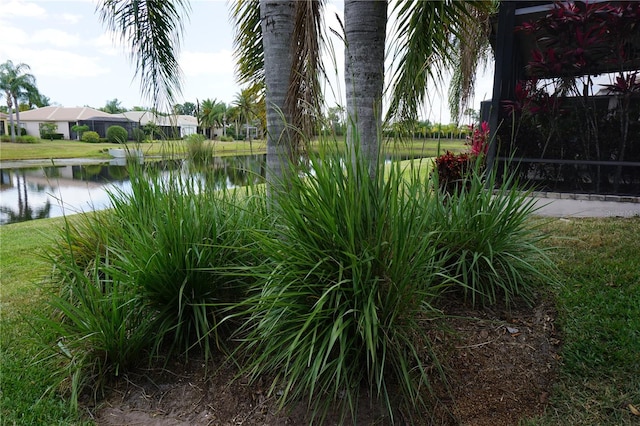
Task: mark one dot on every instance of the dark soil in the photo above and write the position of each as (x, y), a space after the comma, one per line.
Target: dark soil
(500, 365)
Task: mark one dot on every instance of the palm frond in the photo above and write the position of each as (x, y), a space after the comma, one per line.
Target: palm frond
(426, 48)
(152, 29)
(247, 42)
(304, 90)
(474, 51)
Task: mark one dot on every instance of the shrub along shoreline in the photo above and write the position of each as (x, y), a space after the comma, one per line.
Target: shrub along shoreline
(333, 241)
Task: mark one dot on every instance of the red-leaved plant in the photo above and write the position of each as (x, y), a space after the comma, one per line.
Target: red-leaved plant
(453, 169)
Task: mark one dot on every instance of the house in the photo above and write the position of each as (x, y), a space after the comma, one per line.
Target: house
(4, 126)
(64, 118)
(168, 126)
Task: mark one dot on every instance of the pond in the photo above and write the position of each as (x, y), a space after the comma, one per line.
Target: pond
(30, 192)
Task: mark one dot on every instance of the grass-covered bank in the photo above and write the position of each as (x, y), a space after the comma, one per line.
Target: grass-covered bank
(23, 382)
(46, 149)
(350, 238)
(599, 318)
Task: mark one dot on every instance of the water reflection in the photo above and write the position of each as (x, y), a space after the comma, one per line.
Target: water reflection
(52, 191)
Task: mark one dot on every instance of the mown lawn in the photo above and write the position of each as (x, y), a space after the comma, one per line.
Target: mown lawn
(598, 315)
(74, 149)
(22, 382)
(46, 149)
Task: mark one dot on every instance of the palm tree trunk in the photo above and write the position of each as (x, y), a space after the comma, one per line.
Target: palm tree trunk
(12, 130)
(365, 32)
(277, 21)
(17, 108)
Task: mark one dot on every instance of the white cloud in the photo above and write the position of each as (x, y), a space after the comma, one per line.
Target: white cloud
(18, 36)
(207, 63)
(21, 8)
(71, 18)
(110, 44)
(68, 65)
(56, 38)
(56, 63)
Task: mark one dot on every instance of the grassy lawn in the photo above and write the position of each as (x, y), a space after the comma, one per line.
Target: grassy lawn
(598, 316)
(22, 383)
(75, 149)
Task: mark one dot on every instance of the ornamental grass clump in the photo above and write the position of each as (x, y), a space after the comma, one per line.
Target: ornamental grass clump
(493, 246)
(339, 306)
(103, 326)
(151, 276)
(198, 150)
(183, 247)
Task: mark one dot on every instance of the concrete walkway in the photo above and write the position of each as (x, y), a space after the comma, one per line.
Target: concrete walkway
(585, 205)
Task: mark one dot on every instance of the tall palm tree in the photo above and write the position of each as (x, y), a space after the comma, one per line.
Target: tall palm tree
(277, 46)
(365, 34)
(246, 104)
(277, 26)
(211, 114)
(16, 84)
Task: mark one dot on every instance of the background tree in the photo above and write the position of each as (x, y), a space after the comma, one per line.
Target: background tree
(16, 83)
(187, 108)
(246, 101)
(212, 115)
(36, 99)
(114, 106)
(336, 121)
(233, 117)
(79, 129)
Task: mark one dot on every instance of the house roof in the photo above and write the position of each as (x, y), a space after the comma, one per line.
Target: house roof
(3, 116)
(144, 117)
(55, 113)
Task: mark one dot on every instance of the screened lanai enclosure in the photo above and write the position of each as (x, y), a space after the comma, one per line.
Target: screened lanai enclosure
(565, 111)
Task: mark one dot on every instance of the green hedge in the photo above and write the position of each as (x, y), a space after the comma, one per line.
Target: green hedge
(53, 136)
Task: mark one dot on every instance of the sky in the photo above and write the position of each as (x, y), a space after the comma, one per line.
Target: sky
(77, 63)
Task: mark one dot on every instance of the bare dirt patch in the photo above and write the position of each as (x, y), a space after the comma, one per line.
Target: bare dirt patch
(501, 365)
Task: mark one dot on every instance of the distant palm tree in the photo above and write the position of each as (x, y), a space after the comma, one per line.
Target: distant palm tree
(16, 84)
(246, 102)
(37, 100)
(212, 115)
